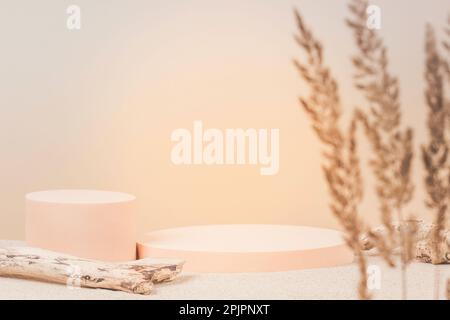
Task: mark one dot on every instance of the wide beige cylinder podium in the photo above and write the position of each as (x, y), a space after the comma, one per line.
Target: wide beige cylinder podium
(247, 247)
(85, 223)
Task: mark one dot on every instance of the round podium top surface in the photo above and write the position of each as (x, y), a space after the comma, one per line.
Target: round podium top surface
(243, 238)
(79, 196)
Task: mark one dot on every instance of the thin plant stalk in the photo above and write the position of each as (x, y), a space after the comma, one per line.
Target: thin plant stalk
(435, 153)
(341, 165)
(392, 145)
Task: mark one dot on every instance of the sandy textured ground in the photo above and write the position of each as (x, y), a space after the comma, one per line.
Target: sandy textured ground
(326, 283)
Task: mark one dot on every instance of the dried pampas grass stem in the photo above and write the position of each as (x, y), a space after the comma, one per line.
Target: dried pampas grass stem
(341, 167)
(435, 153)
(392, 145)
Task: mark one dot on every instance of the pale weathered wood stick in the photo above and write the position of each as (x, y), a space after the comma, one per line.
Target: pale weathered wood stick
(134, 277)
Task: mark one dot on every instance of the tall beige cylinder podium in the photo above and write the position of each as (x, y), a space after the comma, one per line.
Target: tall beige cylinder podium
(85, 223)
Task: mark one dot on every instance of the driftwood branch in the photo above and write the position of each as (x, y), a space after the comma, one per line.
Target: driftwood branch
(133, 277)
(425, 241)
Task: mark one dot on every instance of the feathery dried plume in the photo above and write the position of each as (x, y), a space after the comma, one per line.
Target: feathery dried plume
(383, 243)
(392, 146)
(341, 167)
(435, 153)
(446, 44)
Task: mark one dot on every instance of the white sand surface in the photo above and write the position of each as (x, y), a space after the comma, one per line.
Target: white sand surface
(325, 283)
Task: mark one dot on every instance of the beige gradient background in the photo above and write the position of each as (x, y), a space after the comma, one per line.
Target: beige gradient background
(95, 108)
